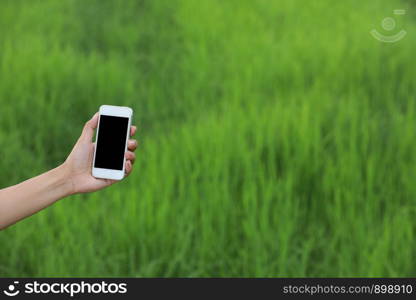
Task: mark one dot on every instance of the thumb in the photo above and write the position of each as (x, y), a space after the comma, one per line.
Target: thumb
(89, 127)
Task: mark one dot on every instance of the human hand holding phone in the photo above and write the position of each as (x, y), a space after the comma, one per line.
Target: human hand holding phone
(74, 176)
(79, 161)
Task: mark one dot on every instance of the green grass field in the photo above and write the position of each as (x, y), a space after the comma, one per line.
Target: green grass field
(277, 137)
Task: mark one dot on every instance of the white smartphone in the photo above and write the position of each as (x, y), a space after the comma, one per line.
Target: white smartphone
(111, 142)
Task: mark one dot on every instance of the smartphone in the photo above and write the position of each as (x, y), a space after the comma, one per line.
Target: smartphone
(111, 142)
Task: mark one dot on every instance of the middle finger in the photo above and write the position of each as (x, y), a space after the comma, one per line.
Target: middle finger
(132, 144)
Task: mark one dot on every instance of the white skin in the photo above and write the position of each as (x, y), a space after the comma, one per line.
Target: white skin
(72, 177)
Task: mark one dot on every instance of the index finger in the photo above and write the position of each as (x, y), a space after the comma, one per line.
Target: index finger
(133, 130)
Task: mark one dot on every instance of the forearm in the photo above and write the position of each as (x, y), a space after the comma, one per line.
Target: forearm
(22, 200)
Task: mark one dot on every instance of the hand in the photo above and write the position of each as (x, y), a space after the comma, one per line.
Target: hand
(79, 162)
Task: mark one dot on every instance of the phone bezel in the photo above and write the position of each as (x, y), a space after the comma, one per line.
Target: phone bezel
(115, 111)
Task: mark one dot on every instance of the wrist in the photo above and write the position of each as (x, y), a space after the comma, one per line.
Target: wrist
(64, 180)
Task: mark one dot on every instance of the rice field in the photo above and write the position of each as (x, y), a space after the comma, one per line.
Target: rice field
(277, 137)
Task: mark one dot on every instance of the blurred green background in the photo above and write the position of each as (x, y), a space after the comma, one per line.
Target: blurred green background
(277, 137)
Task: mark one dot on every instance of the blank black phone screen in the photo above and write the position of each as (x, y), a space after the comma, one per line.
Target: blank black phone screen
(111, 142)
